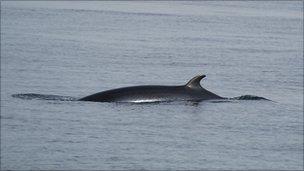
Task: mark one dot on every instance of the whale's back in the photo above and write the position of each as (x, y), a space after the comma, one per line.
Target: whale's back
(153, 93)
(141, 94)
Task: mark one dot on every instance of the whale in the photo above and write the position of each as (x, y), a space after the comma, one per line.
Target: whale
(192, 91)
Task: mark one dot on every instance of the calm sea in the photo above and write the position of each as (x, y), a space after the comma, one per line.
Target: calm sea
(79, 48)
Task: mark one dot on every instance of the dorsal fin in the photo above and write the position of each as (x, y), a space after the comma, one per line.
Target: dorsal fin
(195, 82)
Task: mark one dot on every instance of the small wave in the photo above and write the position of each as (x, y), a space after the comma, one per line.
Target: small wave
(31, 96)
(228, 100)
(249, 97)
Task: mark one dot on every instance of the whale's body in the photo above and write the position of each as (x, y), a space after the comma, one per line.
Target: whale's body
(192, 91)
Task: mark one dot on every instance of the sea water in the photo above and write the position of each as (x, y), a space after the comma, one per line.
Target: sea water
(76, 49)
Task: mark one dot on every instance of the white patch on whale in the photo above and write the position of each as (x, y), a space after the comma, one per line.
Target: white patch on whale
(145, 101)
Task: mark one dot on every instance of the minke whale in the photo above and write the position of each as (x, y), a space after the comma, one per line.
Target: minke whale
(192, 91)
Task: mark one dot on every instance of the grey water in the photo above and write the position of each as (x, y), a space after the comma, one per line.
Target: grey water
(74, 49)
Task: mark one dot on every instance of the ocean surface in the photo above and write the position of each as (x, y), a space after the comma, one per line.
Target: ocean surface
(75, 49)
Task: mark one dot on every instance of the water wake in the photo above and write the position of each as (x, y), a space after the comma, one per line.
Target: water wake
(31, 96)
(248, 97)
